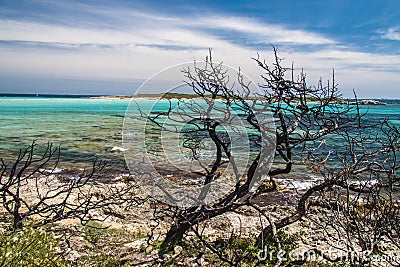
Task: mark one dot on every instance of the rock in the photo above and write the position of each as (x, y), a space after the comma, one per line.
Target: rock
(73, 255)
(149, 249)
(177, 250)
(119, 149)
(135, 245)
(247, 211)
(153, 223)
(190, 261)
(368, 102)
(202, 262)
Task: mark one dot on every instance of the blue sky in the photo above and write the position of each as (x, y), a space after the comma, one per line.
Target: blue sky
(110, 47)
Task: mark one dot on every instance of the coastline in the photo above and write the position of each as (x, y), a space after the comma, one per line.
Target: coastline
(92, 129)
(130, 233)
(177, 96)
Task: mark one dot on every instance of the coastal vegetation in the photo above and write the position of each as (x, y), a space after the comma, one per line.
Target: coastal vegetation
(168, 95)
(351, 208)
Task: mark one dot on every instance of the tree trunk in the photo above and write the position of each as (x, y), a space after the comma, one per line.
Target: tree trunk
(174, 235)
(17, 219)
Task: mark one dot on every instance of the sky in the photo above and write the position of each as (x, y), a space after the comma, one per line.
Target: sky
(111, 47)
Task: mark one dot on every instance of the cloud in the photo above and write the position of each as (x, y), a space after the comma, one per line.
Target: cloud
(267, 33)
(146, 28)
(11, 30)
(392, 33)
(354, 60)
(136, 44)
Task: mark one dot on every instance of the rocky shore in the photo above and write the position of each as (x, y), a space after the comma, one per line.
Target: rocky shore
(131, 234)
(368, 102)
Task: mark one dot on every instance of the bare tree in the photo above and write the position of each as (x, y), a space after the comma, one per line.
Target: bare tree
(302, 115)
(305, 117)
(226, 121)
(29, 190)
(355, 199)
(358, 191)
(359, 211)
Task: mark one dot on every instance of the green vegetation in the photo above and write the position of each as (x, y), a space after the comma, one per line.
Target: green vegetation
(104, 260)
(238, 249)
(248, 247)
(168, 96)
(106, 245)
(93, 232)
(46, 247)
(30, 247)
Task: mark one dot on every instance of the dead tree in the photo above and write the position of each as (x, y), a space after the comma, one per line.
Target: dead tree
(305, 117)
(29, 190)
(359, 212)
(302, 114)
(357, 195)
(358, 190)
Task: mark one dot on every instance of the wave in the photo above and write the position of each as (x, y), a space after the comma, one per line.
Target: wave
(120, 149)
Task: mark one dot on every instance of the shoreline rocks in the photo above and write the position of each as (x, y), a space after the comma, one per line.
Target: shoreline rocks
(368, 102)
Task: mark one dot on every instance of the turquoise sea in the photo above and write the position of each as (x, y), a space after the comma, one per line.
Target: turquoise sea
(84, 128)
(87, 128)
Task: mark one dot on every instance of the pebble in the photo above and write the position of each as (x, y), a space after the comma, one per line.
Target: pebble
(177, 250)
(149, 249)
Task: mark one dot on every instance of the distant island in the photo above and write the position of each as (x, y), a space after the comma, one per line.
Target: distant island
(368, 102)
(49, 95)
(372, 101)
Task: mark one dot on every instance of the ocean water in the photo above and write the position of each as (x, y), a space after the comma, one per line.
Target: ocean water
(84, 128)
(88, 128)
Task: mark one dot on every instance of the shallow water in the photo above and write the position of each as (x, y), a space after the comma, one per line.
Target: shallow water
(84, 128)
(89, 128)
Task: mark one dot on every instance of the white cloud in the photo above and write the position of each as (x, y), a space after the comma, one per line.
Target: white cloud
(354, 60)
(265, 32)
(392, 33)
(154, 29)
(134, 49)
(11, 30)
